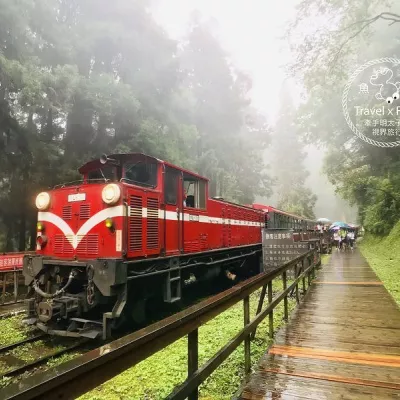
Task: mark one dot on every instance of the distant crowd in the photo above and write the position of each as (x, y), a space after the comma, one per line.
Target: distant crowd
(344, 238)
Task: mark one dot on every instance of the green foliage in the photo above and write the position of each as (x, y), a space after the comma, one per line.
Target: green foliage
(368, 176)
(383, 254)
(12, 330)
(157, 376)
(82, 78)
(288, 162)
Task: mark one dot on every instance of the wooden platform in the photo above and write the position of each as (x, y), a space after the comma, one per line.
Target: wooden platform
(343, 342)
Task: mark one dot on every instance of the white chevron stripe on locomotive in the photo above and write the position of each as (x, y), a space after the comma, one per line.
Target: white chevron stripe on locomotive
(119, 211)
(75, 239)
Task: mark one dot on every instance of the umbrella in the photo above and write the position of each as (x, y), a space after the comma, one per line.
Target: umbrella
(323, 220)
(340, 225)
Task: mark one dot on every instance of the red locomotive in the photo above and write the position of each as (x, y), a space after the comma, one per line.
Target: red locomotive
(135, 227)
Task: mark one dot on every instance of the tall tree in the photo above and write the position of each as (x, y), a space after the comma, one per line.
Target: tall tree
(360, 31)
(78, 78)
(288, 161)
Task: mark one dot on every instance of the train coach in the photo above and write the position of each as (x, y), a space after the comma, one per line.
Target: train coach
(278, 219)
(133, 229)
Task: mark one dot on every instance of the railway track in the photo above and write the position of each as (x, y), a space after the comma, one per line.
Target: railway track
(12, 313)
(12, 365)
(5, 349)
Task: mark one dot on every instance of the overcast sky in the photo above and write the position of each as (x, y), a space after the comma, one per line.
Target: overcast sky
(249, 31)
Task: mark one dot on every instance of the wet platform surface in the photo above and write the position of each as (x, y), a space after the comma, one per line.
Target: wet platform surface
(343, 342)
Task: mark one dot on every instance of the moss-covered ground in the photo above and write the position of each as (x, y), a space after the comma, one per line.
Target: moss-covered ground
(383, 255)
(156, 377)
(12, 330)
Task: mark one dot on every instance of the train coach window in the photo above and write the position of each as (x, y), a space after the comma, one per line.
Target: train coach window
(195, 192)
(202, 194)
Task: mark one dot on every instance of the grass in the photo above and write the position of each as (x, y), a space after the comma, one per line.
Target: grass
(156, 377)
(12, 330)
(383, 255)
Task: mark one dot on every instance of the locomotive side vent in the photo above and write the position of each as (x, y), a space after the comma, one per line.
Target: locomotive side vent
(135, 223)
(84, 211)
(152, 223)
(67, 213)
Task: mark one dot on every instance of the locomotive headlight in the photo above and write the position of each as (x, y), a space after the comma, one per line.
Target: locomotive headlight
(40, 226)
(42, 201)
(111, 193)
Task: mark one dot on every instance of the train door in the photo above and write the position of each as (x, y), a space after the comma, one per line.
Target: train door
(173, 211)
(229, 216)
(224, 228)
(195, 232)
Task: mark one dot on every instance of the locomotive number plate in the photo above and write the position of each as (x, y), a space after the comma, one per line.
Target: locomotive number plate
(76, 197)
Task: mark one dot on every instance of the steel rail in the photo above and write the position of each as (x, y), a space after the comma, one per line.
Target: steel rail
(41, 360)
(11, 346)
(13, 313)
(86, 372)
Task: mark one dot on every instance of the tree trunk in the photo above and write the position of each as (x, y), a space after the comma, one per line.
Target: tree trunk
(22, 231)
(79, 128)
(49, 125)
(9, 235)
(32, 233)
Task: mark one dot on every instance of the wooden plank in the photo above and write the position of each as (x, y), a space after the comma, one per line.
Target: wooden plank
(343, 356)
(342, 342)
(348, 283)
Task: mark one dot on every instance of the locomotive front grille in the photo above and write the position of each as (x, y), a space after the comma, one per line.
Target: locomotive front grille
(135, 224)
(152, 223)
(84, 211)
(67, 213)
(88, 245)
(62, 246)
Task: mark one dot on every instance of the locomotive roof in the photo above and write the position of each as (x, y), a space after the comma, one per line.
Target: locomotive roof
(124, 157)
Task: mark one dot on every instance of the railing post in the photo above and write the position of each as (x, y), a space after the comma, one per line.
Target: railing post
(259, 308)
(271, 314)
(303, 261)
(193, 359)
(309, 272)
(285, 300)
(314, 265)
(296, 275)
(246, 314)
(3, 297)
(15, 285)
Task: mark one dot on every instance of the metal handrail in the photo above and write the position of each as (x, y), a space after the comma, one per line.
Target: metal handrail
(93, 368)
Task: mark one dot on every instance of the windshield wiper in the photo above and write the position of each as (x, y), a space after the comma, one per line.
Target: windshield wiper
(101, 171)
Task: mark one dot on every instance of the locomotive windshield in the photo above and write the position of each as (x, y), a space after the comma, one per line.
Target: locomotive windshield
(105, 173)
(141, 173)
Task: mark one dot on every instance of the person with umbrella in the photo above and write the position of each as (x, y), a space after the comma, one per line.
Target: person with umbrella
(342, 227)
(350, 238)
(343, 236)
(336, 238)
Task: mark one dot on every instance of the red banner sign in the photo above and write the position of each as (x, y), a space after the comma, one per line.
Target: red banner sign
(10, 262)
